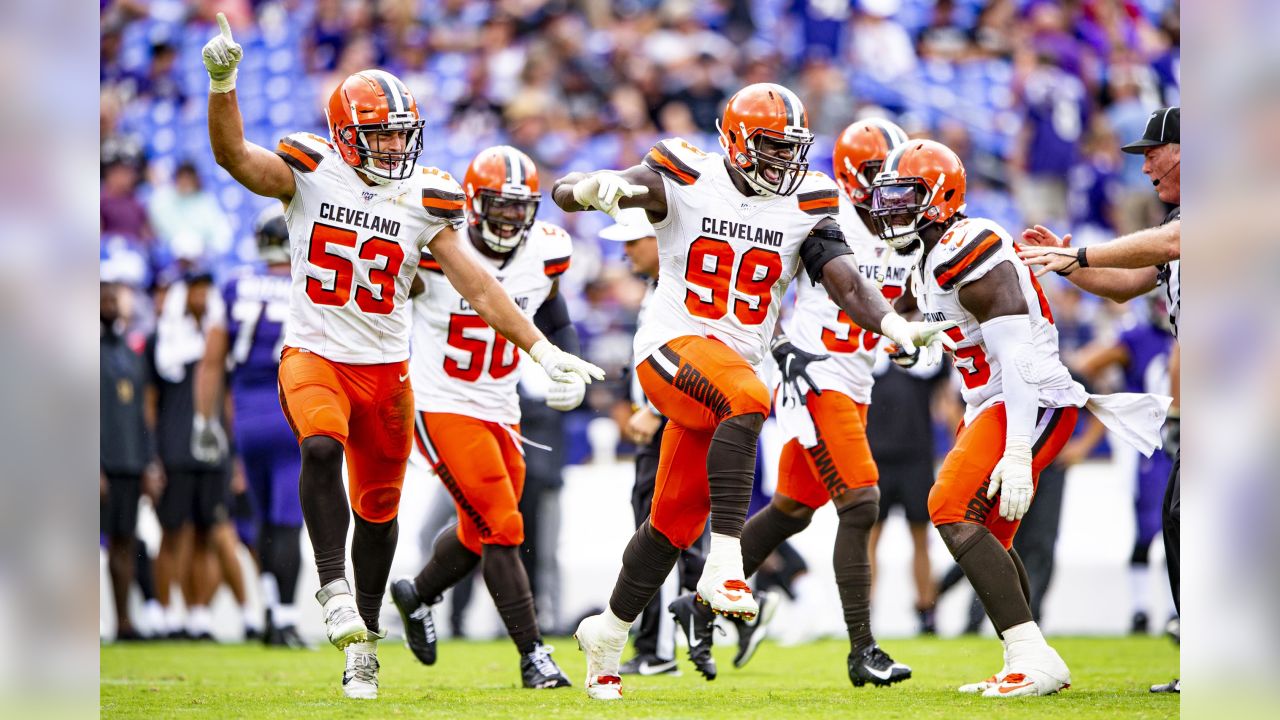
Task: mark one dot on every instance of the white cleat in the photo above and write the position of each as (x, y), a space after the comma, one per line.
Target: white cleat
(1035, 674)
(723, 585)
(981, 687)
(604, 656)
(342, 621)
(360, 677)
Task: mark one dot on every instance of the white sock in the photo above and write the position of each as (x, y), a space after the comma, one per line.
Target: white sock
(285, 616)
(1139, 585)
(723, 544)
(252, 619)
(726, 555)
(1026, 632)
(174, 618)
(199, 620)
(153, 616)
(615, 623)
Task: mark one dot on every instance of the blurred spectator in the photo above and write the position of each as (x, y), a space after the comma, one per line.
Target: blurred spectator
(187, 219)
(121, 211)
(1055, 109)
(701, 93)
(881, 46)
(160, 83)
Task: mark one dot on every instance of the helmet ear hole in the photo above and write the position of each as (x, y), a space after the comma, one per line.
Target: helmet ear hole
(947, 195)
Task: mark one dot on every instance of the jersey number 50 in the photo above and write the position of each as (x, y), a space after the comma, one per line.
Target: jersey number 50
(338, 292)
(498, 367)
(711, 267)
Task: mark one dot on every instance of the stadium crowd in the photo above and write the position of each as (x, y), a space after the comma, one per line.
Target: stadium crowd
(1035, 96)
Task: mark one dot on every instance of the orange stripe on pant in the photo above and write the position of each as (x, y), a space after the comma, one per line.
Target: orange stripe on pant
(696, 383)
(960, 494)
(840, 461)
(367, 408)
(482, 468)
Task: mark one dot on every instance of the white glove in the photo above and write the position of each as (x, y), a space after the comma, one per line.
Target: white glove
(208, 439)
(565, 396)
(910, 335)
(561, 366)
(1012, 479)
(221, 56)
(603, 190)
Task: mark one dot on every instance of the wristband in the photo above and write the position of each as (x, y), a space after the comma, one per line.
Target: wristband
(1082, 257)
(224, 85)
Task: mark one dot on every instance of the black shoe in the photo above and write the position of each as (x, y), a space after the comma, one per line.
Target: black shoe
(130, 635)
(874, 666)
(419, 626)
(252, 634)
(204, 636)
(285, 637)
(649, 665)
(695, 621)
(540, 672)
(1173, 686)
(750, 635)
(928, 621)
(178, 635)
(1140, 624)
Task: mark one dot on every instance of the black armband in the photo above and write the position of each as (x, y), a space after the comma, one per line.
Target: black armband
(825, 243)
(552, 318)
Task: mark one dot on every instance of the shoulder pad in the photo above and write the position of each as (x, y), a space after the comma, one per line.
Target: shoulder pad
(554, 246)
(303, 151)
(676, 160)
(967, 251)
(441, 195)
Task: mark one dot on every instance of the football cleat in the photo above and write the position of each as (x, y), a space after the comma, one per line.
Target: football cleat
(539, 671)
(360, 677)
(1140, 624)
(723, 587)
(342, 622)
(1173, 686)
(696, 622)
(285, 637)
(873, 665)
(649, 665)
(1041, 672)
(419, 623)
(751, 633)
(981, 687)
(604, 654)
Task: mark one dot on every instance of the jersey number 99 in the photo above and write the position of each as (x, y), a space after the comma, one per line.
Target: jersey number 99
(711, 268)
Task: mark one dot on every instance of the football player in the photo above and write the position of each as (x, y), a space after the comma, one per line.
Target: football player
(468, 418)
(732, 232)
(1021, 403)
(248, 346)
(826, 456)
(361, 213)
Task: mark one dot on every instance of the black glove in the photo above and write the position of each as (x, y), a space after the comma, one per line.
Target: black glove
(903, 359)
(1171, 433)
(793, 363)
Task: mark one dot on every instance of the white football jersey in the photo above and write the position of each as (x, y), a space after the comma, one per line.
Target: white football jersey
(819, 326)
(967, 252)
(354, 251)
(461, 365)
(726, 258)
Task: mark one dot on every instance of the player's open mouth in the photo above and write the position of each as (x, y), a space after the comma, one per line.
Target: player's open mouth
(504, 230)
(771, 175)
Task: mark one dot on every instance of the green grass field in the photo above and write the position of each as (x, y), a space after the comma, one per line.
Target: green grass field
(481, 680)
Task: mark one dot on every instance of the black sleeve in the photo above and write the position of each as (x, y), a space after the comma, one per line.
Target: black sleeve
(552, 318)
(825, 243)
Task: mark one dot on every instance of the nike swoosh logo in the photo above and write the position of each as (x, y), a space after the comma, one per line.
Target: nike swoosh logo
(882, 674)
(647, 669)
(694, 640)
(733, 596)
(1006, 689)
(404, 377)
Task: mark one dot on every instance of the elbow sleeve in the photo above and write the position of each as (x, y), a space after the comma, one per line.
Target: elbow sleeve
(552, 318)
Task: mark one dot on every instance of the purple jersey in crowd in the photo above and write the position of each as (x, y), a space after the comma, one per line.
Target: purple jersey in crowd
(1148, 345)
(257, 307)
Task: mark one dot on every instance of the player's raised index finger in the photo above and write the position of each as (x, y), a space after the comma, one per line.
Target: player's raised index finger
(224, 27)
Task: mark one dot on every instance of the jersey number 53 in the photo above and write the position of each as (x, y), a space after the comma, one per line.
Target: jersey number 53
(338, 292)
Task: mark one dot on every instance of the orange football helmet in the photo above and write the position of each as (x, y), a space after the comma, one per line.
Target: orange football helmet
(859, 154)
(375, 125)
(922, 182)
(761, 122)
(501, 186)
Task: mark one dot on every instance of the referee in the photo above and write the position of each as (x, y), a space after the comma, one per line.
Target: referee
(1127, 267)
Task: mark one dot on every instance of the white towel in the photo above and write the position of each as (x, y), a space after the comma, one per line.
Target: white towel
(794, 420)
(1135, 418)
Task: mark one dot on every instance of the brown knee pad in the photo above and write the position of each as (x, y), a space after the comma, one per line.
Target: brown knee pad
(990, 570)
(646, 563)
(731, 471)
